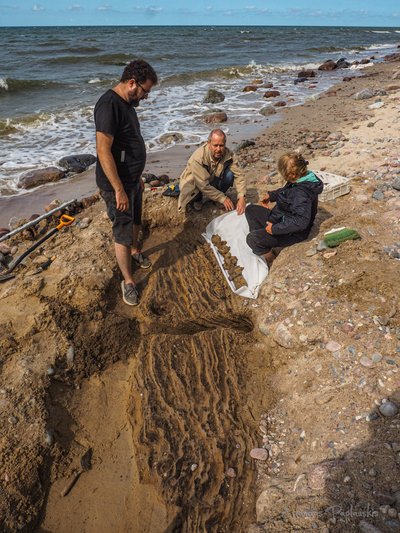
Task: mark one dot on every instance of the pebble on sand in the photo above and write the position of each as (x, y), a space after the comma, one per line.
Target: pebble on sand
(333, 346)
(366, 527)
(388, 409)
(261, 454)
(283, 337)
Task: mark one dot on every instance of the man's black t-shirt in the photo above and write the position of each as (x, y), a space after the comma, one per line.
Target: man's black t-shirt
(113, 115)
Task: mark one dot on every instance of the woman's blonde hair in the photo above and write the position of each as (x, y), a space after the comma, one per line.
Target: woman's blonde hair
(292, 164)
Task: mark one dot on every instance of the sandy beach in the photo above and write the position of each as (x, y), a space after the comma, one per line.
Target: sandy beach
(173, 395)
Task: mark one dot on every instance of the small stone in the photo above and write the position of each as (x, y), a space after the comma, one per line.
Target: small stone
(396, 183)
(392, 512)
(388, 409)
(347, 479)
(328, 255)
(70, 355)
(4, 248)
(264, 328)
(312, 251)
(317, 476)
(13, 420)
(84, 223)
(261, 454)
(283, 337)
(366, 362)
(378, 195)
(268, 110)
(193, 467)
(231, 472)
(366, 527)
(49, 437)
(393, 525)
(376, 105)
(377, 358)
(372, 472)
(333, 346)
(50, 371)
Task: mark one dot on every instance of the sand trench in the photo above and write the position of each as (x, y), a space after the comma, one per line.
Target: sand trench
(162, 402)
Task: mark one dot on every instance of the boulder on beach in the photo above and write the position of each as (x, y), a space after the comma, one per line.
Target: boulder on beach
(328, 65)
(267, 85)
(257, 81)
(348, 78)
(365, 61)
(250, 88)
(342, 63)
(368, 93)
(271, 94)
(306, 73)
(245, 144)
(212, 118)
(392, 57)
(77, 163)
(281, 103)
(213, 97)
(267, 110)
(89, 200)
(169, 138)
(34, 178)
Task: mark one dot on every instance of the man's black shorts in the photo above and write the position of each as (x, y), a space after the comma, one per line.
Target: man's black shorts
(123, 221)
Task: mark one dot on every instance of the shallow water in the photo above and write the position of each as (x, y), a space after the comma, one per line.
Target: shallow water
(50, 79)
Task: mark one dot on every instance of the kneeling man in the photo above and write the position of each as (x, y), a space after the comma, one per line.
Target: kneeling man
(209, 173)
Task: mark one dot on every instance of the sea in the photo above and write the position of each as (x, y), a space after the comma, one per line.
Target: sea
(51, 77)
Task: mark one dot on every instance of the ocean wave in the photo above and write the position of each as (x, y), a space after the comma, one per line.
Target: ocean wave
(12, 85)
(233, 72)
(9, 126)
(83, 49)
(380, 31)
(335, 49)
(380, 46)
(102, 59)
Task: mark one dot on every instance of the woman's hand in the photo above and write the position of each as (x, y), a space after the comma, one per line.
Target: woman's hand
(265, 201)
(268, 228)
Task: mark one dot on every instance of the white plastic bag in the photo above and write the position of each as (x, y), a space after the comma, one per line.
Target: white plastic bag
(233, 229)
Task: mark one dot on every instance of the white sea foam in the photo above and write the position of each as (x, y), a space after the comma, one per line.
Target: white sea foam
(380, 46)
(3, 84)
(95, 80)
(380, 31)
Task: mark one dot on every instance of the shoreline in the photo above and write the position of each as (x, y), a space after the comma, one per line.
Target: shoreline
(169, 161)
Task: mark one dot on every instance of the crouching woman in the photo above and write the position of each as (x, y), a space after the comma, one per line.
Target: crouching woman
(292, 217)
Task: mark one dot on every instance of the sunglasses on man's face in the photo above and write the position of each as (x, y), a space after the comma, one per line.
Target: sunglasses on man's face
(146, 92)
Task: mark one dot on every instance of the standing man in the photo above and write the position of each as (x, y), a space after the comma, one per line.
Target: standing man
(121, 158)
(210, 171)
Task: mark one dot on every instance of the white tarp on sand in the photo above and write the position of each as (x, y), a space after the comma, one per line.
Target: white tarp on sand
(233, 229)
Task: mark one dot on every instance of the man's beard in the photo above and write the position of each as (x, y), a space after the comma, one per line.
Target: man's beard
(133, 99)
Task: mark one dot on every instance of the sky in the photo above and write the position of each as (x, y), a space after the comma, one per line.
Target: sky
(200, 12)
